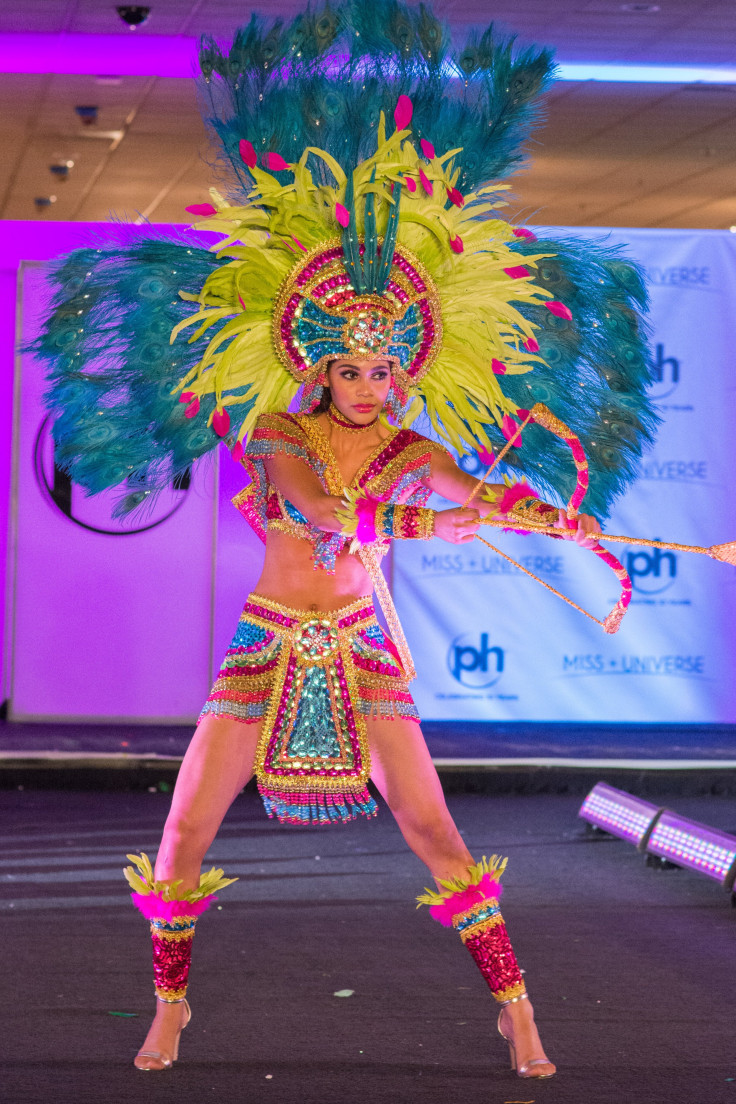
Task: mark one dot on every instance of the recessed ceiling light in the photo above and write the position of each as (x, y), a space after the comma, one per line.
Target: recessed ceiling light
(640, 9)
(732, 229)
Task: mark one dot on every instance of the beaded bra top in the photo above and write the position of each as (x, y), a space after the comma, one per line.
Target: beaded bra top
(393, 473)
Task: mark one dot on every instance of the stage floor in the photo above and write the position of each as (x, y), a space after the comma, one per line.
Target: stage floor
(630, 969)
(456, 741)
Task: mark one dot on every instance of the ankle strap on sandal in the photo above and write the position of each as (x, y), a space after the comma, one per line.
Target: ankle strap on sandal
(514, 1000)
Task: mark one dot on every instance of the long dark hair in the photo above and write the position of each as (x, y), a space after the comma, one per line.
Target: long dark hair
(324, 403)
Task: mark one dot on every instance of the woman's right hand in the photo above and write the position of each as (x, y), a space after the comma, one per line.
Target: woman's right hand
(456, 526)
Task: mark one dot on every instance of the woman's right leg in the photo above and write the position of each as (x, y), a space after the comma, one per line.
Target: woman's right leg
(218, 763)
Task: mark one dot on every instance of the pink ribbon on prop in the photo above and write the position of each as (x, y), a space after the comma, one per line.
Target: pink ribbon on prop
(544, 417)
(365, 511)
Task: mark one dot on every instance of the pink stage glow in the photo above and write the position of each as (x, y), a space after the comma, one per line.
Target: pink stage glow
(121, 55)
(138, 54)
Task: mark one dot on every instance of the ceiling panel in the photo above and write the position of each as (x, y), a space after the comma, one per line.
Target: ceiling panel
(652, 154)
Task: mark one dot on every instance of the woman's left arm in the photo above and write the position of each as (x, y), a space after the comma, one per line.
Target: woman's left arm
(451, 482)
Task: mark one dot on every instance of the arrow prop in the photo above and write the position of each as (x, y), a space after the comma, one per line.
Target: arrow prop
(725, 553)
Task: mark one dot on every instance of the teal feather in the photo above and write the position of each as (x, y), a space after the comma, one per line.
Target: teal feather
(595, 374)
(324, 80)
(111, 369)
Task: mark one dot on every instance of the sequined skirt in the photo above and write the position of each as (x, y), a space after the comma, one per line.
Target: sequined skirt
(312, 678)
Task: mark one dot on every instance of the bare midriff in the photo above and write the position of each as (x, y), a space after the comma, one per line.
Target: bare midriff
(290, 577)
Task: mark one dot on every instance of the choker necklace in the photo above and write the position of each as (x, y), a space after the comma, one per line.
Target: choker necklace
(339, 420)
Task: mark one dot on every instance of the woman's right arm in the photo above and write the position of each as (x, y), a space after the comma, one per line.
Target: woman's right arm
(299, 484)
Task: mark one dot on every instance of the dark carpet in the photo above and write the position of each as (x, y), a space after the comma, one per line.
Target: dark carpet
(630, 969)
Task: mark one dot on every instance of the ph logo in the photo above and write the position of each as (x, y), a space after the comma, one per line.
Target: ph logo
(473, 662)
(652, 571)
(665, 372)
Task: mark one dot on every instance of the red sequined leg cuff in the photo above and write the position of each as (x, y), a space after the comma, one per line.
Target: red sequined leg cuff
(172, 955)
(486, 937)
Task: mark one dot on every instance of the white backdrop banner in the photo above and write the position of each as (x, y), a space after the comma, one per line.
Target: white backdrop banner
(491, 644)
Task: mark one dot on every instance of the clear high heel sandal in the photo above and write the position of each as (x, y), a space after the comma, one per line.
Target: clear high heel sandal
(165, 1060)
(531, 1068)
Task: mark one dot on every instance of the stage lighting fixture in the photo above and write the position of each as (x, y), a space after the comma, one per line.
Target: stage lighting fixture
(620, 814)
(696, 846)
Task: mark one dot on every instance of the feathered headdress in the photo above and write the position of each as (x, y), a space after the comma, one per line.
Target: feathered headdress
(340, 239)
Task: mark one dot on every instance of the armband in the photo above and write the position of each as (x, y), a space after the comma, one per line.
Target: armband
(520, 503)
(367, 520)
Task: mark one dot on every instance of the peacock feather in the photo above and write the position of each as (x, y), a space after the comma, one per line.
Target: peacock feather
(299, 115)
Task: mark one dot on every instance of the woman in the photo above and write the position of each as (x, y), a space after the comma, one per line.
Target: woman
(379, 265)
(220, 759)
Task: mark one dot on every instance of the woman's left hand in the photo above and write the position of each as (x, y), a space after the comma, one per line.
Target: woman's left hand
(583, 529)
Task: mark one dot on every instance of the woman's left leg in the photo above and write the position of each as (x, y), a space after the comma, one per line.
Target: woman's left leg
(405, 775)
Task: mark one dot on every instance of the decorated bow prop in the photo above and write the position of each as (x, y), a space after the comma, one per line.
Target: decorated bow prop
(544, 417)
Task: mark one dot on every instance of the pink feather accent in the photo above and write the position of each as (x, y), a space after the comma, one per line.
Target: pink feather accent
(508, 500)
(186, 396)
(403, 112)
(455, 197)
(237, 451)
(427, 149)
(514, 494)
(488, 888)
(456, 244)
(517, 273)
(485, 456)
(274, 162)
(498, 366)
(411, 184)
(522, 232)
(511, 430)
(193, 409)
(426, 182)
(341, 214)
(221, 422)
(555, 307)
(302, 247)
(201, 209)
(154, 907)
(247, 153)
(365, 509)
(531, 345)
